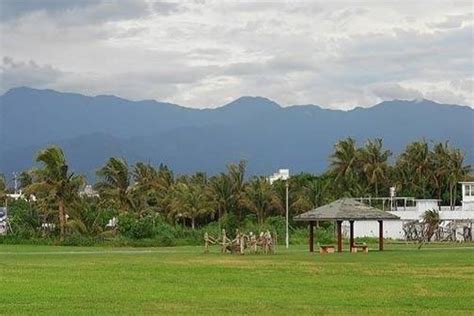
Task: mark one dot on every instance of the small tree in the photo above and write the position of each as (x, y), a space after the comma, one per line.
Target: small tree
(431, 222)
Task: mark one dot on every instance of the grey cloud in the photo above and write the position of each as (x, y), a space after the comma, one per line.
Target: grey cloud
(162, 80)
(10, 9)
(77, 12)
(334, 54)
(167, 8)
(272, 67)
(466, 85)
(344, 14)
(445, 96)
(407, 54)
(390, 91)
(453, 21)
(18, 73)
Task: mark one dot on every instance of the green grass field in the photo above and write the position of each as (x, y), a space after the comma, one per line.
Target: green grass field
(438, 279)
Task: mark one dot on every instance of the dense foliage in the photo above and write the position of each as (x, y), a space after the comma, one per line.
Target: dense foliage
(152, 204)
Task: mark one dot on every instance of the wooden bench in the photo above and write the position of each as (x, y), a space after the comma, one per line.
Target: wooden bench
(326, 249)
(362, 246)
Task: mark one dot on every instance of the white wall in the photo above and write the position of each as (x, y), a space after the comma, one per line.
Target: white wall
(394, 228)
(391, 229)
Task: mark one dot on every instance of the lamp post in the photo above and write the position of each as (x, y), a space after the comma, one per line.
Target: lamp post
(287, 239)
(283, 174)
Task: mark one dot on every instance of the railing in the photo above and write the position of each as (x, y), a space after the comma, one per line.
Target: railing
(392, 203)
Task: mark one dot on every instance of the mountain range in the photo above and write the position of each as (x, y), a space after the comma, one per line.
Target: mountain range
(268, 136)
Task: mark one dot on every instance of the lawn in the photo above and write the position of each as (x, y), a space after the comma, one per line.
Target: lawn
(438, 279)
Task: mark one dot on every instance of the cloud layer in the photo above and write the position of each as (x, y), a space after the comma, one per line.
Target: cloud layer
(206, 53)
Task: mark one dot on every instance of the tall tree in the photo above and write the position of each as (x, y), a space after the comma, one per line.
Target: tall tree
(228, 189)
(415, 164)
(374, 163)
(55, 179)
(457, 171)
(220, 187)
(26, 179)
(259, 197)
(3, 188)
(190, 201)
(114, 184)
(440, 157)
(345, 163)
(312, 194)
(236, 174)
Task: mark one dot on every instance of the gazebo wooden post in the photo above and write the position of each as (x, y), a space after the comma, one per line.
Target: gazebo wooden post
(311, 236)
(381, 235)
(339, 236)
(351, 235)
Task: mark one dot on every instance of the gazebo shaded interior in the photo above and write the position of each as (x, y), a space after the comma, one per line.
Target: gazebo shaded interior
(345, 209)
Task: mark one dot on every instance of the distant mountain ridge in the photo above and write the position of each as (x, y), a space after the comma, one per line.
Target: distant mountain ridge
(91, 129)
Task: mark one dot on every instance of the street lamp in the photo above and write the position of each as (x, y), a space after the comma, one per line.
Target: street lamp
(283, 174)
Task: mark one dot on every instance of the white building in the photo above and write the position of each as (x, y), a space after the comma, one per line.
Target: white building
(282, 174)
(453, 219)
(467, 202)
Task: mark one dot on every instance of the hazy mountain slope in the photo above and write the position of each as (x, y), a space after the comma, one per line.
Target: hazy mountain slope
(257, 129)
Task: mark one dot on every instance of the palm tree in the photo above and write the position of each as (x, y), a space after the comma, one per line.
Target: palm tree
(259, 197)
(190, 201)
(441, 163)
(54, 179)
(88, 219)
(114, 184)
(457, 172)
(416, 162)
(220, 188)
(236, 174)
(147, 185)
(431, 220)
(26, 179)
(345, 163)
(374, 162)
(3, 187)
(228, 189)
(312, 194)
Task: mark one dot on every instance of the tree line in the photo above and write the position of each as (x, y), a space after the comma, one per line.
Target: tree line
(142, 195)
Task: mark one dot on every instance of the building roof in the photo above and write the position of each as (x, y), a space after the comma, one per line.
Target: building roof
(345, 209)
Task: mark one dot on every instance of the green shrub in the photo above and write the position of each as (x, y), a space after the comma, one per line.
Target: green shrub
(77, 239)
(125, 224)
(229, 223)
(165, 234)
(143, 228)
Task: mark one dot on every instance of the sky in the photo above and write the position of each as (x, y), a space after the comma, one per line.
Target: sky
(203, 54)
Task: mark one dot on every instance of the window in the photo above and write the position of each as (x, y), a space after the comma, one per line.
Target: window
(469, 190)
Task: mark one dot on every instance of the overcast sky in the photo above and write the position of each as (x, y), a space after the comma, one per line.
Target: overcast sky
(206, 53)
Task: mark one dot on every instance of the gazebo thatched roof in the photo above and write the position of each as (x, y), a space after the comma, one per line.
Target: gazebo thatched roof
(344, 210)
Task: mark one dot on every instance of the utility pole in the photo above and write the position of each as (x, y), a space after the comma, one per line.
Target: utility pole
(15, 182)
(283, 175)
(287, 235)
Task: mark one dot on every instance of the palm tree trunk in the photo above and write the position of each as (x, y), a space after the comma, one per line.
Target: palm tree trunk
(193, 220)
(455, 195)
(61, 219)
(450, 196)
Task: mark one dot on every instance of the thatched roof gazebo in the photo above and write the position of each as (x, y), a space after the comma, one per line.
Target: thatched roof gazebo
(345, 209)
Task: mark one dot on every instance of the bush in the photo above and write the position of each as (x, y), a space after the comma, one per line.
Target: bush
(165, 234)
(125, 224)
(77, 239)
(143, 228)
(229, 223)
